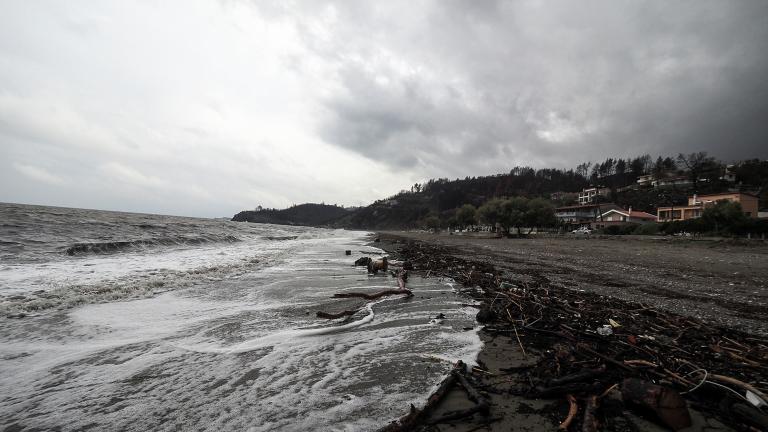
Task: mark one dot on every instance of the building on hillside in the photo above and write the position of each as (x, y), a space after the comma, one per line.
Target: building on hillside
(624, 217)
(587, 196)
(563, 196)
(697, 204)
(645, 180)
(578, 216)
(671, 181)
(729, 174)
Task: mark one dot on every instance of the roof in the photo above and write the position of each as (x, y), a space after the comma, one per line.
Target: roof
(632, 214)
(642, 215)
(681, 207)
(726, 193)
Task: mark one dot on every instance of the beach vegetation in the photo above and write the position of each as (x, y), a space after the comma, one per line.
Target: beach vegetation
(466, 215)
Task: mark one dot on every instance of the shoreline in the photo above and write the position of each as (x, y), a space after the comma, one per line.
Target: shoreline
(516, 360)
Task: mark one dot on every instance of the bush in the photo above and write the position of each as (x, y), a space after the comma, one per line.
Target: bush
(647, 229)
(750, 226)
(691, 226)
(722, 218)
(432, 222)
(620, 229)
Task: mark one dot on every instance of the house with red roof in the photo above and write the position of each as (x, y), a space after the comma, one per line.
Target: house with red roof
(623, 217)
(578, 216)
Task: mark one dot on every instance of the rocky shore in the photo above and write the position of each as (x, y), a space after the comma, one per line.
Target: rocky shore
(599, 354)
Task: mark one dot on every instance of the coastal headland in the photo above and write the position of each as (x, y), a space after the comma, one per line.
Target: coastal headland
(570, 324)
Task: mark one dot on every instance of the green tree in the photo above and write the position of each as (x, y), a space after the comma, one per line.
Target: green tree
(540, 213)
(658, 167)
(723, 215)
(432, 222)
(452, 221)
(513, 213)
(621, 166)
(466, 215)
(490, 213)
(699, 166)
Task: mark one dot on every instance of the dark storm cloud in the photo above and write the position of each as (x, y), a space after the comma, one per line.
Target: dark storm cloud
(201, 107)
(459, 88)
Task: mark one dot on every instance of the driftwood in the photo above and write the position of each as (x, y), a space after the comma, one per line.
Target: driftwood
(457, 415)
(584, 375)
(577, 387)
(744, 386)
(374, 296)
(402, 277)
(590, 423)
(321, 314)
(416, 416)
(573, 408)
(482, 405)
(667, 403)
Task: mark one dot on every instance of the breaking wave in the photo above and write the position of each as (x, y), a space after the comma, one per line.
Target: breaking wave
(281, 238)
(117, 246)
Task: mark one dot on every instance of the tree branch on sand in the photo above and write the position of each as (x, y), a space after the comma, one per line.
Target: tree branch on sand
(375, 295)
(402, 276)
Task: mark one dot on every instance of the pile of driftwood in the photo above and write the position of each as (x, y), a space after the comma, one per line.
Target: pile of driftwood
(374, 266)
(417, 417)
(603, 355)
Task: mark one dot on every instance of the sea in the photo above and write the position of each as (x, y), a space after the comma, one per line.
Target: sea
(137, 322)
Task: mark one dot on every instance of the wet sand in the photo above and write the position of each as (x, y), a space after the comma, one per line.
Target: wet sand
(717, 282)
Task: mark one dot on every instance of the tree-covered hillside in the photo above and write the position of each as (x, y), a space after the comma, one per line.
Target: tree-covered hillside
(303, 214)
(437, 201)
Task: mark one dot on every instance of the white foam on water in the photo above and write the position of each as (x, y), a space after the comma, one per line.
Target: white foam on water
(238, 354)
(74, 281)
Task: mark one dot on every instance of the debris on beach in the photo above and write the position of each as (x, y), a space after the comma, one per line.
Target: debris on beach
(363, 261)
(417, 416)
(378, 265)
(402, 277)
(603, 356)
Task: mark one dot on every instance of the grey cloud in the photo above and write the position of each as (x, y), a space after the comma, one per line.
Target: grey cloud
(205, 108)
(492, 84)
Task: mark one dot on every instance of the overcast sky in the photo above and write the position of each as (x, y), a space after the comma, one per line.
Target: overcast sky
(208, 107)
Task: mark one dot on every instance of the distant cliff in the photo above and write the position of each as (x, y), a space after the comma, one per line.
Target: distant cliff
(303, 214)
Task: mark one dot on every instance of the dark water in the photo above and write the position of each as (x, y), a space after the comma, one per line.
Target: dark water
(120, 321)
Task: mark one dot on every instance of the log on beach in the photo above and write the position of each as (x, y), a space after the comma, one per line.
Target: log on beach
(402, 277)
(374, 296)
(328, 315)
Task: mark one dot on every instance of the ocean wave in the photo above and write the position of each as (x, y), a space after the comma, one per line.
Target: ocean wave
(117, 246)
(278, 238)
(66, 296)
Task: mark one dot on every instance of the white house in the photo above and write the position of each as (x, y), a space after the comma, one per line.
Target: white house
(622, 217)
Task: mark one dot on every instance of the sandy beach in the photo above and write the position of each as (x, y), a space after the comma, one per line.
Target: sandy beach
(719, 282)
(717, 285)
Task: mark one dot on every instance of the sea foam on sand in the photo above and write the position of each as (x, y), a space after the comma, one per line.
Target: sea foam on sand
(242, 352)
